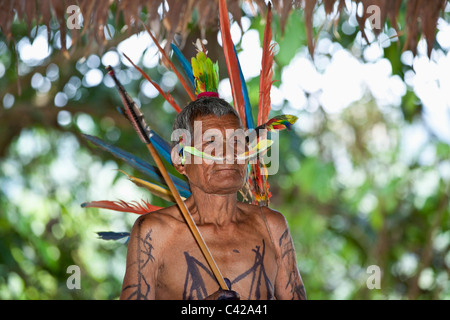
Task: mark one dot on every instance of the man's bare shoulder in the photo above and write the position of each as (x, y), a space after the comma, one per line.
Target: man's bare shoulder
(164, 222)
(276, 221)
(274, 218)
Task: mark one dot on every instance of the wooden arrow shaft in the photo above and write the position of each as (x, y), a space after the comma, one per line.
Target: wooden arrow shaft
(188, 218)
(136, 118)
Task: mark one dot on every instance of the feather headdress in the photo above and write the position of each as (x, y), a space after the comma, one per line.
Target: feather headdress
(206, 75)
(203, 75)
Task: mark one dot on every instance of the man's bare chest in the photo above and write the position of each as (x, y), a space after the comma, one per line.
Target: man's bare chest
(248, 265)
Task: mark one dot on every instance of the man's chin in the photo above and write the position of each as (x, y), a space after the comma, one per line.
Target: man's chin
(226, 187)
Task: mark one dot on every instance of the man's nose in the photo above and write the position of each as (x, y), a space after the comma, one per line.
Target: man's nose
(227, 153)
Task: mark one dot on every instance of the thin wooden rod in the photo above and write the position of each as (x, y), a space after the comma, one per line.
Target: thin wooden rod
(188, 218)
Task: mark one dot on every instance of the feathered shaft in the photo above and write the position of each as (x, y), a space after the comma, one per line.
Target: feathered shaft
(167, 96)
(122, 206)
(140, 165)
(137, 120)
(265, 80)
(231, 61)
(131, 110)
(156, 190)
(167, 60)
(160, 144)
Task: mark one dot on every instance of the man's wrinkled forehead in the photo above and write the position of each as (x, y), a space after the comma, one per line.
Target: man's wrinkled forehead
(212, 119)
(204, 125)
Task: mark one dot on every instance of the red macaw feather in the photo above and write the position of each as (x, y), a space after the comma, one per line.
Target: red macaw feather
(265, 80)
(165, 95)
(167, 60)
(258, 177)
(231, 60)
(259, 184)
(281, 122)
(123, 206)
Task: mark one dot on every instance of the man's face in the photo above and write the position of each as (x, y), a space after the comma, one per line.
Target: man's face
(220, 137)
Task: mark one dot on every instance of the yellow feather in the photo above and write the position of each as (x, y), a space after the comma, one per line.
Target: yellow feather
(153, 188)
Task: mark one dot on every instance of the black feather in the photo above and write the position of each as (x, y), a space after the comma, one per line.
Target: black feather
(110, 235)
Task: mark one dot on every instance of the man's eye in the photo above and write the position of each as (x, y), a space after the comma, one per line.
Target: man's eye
(241, 142)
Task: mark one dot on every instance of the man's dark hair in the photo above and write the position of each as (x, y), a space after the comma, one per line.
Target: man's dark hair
(202, 107)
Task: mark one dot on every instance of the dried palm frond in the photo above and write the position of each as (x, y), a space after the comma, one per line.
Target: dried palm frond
(166, 18)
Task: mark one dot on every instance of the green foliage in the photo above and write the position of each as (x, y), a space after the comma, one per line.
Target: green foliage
(351, 195)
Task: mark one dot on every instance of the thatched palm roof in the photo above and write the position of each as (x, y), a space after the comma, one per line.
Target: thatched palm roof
(421, 16)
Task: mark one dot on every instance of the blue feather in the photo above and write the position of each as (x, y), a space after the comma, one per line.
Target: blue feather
(110, 235)
(248, 107)
(184, 63)
(140, 165)
(162, 146)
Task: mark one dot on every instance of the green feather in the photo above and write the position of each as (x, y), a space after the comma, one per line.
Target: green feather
(206, 73)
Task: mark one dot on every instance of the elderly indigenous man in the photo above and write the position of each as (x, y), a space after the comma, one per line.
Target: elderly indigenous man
(251, 245)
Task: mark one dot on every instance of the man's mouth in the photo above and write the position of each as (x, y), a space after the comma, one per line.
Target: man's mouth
(225, 168)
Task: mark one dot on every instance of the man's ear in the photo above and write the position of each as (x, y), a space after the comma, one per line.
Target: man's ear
(177, 160)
